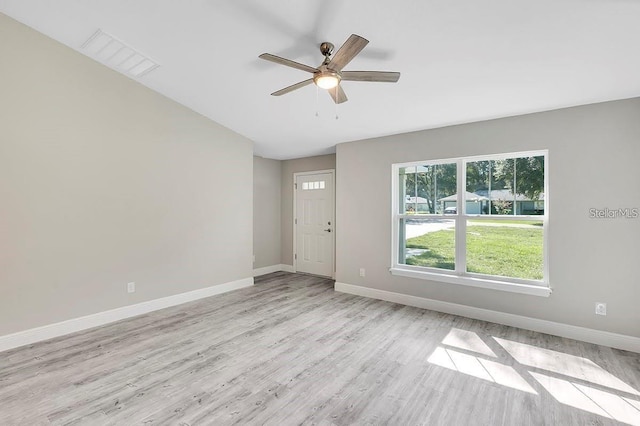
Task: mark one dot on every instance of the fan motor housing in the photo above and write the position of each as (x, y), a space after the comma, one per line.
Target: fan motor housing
(326, 48)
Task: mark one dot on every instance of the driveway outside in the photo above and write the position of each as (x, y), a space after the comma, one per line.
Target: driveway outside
(417, 227)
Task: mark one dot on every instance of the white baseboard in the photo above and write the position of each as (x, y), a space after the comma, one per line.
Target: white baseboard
(288, 268)
(273, 268)
(605, 338)
(50, 331)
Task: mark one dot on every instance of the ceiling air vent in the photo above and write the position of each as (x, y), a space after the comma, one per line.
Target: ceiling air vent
(113, 53)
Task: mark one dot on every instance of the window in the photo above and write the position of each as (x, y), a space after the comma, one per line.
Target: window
(308, 186)
(479, 221)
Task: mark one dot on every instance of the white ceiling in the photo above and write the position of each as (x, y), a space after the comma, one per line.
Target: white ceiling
(461, 61)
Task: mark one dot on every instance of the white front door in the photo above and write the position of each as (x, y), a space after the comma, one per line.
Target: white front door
(314, 223)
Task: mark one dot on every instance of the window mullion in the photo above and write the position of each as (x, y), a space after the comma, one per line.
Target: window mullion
(461, 222)
(399, 235)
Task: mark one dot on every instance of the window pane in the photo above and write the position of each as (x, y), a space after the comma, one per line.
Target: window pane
(427, 242)
(529, 185)
(478, 186)
(513, 186)
(424, 188)
(407, 190)
(506, 248)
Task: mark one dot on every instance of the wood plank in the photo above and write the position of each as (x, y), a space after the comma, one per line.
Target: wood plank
(290, 350)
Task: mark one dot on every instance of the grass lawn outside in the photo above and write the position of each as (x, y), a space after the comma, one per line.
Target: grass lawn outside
(507, 221)
(493, 250)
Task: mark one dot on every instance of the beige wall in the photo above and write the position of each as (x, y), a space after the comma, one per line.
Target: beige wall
(103, 182)
(593, 163)
(267, 186)
(289, 167)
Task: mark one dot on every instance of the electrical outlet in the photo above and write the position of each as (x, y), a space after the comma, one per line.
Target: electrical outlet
(601, 308)
(131, 287)
(362, 272)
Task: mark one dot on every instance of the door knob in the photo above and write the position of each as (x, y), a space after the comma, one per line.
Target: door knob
(328, 230)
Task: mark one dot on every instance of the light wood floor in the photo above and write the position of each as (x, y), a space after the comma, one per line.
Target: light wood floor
(292, 351)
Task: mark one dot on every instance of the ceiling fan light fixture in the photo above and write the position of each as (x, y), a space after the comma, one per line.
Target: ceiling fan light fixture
(326, 80)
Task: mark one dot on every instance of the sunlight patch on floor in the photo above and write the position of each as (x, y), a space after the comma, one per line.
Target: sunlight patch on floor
(571, 380)
(590, 399)
(481, 368)
(633, 402)
(565, 364)
(467, 340)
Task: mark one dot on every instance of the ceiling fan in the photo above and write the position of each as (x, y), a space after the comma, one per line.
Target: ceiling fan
(329, 74)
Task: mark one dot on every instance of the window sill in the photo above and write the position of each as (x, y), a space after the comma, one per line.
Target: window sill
(534, 290)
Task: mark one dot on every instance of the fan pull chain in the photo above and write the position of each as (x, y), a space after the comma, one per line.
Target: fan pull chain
(317, 90)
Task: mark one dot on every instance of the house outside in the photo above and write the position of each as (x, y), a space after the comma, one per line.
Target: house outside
(475, 203)
(416, 204)
(479, 202)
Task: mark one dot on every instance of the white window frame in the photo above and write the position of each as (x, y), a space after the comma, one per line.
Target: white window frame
(460, 275)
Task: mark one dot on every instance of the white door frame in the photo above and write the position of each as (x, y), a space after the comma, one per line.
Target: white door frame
(333, 216)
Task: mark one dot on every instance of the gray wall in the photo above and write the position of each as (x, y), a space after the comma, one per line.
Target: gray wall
(289, 167)
(267, 186)
(594, 152)
(102, 182)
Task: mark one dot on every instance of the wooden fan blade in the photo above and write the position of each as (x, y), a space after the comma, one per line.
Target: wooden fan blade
(292, 87)
(381, 76)
(287, 62)
(347, 52)
(338, 94)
